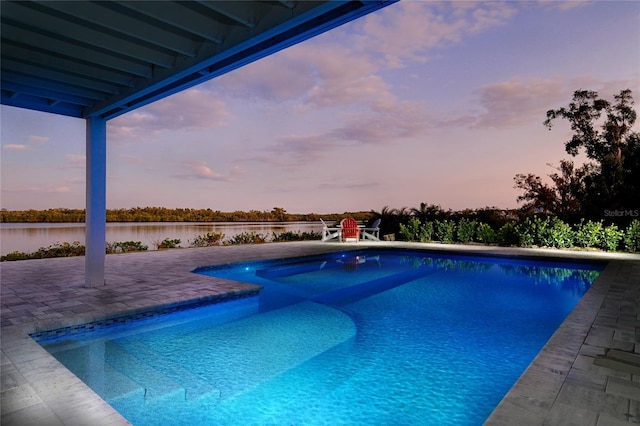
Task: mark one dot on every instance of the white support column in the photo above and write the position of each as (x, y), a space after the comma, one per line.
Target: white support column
(96, 201)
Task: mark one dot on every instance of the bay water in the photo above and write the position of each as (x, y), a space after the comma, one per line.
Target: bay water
(29, 237)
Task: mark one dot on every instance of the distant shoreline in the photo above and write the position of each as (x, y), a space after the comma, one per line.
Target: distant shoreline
(166, 215)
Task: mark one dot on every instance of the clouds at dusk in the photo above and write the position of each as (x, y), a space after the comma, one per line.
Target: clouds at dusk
(33, 141)
(201, 170)
(438, 102)
(191, 109)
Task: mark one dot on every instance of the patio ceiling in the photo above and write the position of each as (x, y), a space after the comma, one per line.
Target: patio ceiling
(104, 58)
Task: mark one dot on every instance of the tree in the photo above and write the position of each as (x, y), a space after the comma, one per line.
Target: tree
(570, 188)
(428, 212)
(538, 196)
(583, 114)
(604, 131)
(563, 199)
(279, 214)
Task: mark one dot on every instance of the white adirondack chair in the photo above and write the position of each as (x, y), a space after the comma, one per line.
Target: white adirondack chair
(330, 233)
(372, 233)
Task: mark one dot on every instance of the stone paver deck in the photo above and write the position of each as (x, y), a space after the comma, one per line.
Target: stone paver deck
(562, 386)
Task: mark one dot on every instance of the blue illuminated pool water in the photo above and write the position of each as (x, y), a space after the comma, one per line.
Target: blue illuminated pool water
(353, 338)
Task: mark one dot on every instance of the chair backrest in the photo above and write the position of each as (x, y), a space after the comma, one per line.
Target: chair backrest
(324, 225)
(349, 228)
(376, 224)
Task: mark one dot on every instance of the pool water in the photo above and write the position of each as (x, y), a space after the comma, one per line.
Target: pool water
(350, 338)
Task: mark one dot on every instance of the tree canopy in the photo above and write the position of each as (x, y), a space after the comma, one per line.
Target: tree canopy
(611, 181)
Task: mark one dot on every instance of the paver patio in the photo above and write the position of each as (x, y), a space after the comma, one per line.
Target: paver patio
(570, 382)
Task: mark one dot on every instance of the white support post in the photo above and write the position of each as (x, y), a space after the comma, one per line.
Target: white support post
(96, 201)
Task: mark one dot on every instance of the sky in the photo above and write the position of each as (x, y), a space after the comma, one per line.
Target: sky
(422, 101)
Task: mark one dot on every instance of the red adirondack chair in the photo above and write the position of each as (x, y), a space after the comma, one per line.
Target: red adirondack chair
(350, 230)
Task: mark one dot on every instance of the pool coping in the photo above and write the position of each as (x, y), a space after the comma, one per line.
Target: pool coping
(561, 386)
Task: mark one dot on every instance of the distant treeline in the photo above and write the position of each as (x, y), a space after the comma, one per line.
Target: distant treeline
(162, 214)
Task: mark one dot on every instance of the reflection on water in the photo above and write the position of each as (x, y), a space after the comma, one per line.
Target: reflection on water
(562, 276)
(29, 237)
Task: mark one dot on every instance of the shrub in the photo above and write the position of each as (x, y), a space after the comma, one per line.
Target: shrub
(60, 250)
(207, 240)
(168, 244)
(485, 233)
(416, 231)
(530, 232)
(632, 236)
(410, 231)
(16, 255)
(445, 230)
(508, 235)
(296, 236)
(426, 232)
(466, 230)
(545, 236)
(125, 247)
(54, 250)
(247, 238)
(548, 232)
(610, 238)
(560, 234)
(588, 234)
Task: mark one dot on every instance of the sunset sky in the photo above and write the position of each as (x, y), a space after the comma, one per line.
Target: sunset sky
(422, 101)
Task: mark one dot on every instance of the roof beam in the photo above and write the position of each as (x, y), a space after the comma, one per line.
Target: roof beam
(18, 88)
(288, 4)
(102, 15)
(39, 103)
(243, 12)
(60, 28)
(46, 84)
(11, 51)
(59, 76)
(177, 15)
(18, 34)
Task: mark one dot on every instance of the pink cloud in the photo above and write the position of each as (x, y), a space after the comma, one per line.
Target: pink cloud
(33, 141)
(14, 147)
(386, 125)
(312, 74)
(188, 110)
(409, 30)
(517, 101)
(279, 77)
(201, 170)
(37, 140)
(563, 4)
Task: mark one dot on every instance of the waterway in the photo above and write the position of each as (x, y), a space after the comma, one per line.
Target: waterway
(29, 237)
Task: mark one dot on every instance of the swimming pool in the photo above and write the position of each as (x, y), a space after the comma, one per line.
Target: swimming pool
(362, 337)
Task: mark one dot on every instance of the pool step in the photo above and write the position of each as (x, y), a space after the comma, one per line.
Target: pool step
(260, 348)
(274, 272)
(195, 386)
(154, 383)
(88, 364)
(370, 288)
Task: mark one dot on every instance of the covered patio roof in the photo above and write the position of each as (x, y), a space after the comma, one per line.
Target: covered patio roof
(97, 60)
(105, 58)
